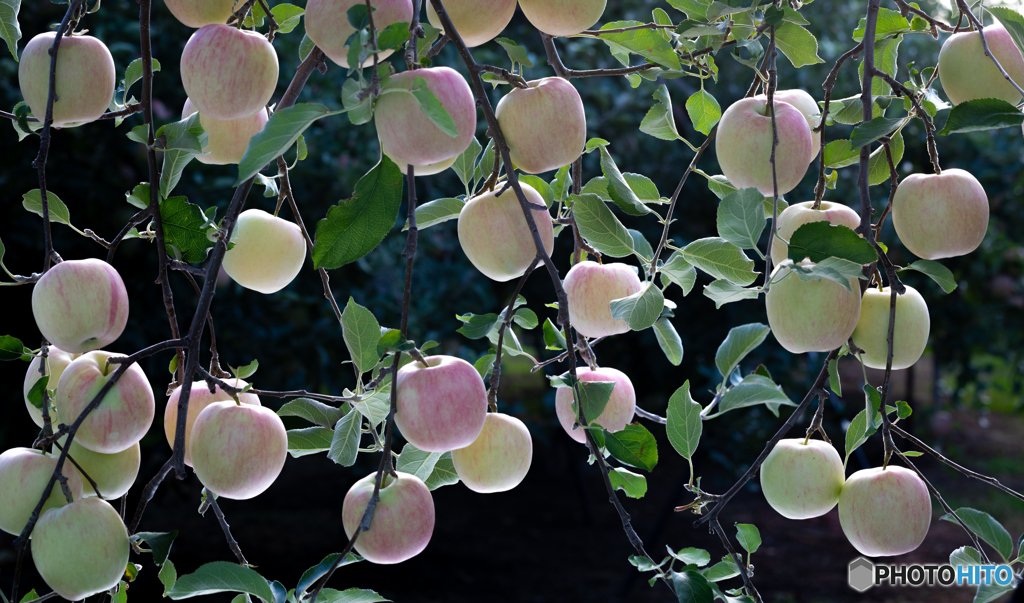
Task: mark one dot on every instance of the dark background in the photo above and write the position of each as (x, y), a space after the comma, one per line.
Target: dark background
(554, 538)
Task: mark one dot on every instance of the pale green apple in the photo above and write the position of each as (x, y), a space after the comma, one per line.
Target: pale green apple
(114, 474)
(802, 480)
(940, 215)
(810, 316)
(910, 335)
(24, 473)
(56, 361)
(591, 287)
(885, 512)
(967, 74)
(798, 214)
(85, 78)
(744, 145)
(198, 399)
(328, 26)
(268, 253)
(477, 22)
(806, 105)
(499, 458)
(229, 138)
(563, 17)
(421, 170)
(197, 13)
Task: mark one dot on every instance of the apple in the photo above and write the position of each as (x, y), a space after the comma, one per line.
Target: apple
(544, 125)
(125, 413)
(885, 512)
(198, 399)
(495, 236)
(56, 361)
(403, 519)
(806, 105)
(442, 406)
(114, 474)
(499, 458)
(421, 170)
(617, 413)
(744, 145)
(811, 316)
(229, 138)
(80, 305)
(477, 22)
(238, 450)
(563, 17)
(591, 287)
(228, 73)
(801, 480)
(24, 473)
(85, 78)
(197, 13)
(910, 336)
(81, 549)
(328, 26)
(268, 252)
(940, 215)
(798, 214)
(967, 74)
(408, 133)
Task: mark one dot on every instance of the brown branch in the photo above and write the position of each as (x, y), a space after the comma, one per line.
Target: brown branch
(773, 82)
(929, 127)
(965, 11)
(129, 109)
(211, 500)
(149, 492)
(740, 565)
(492, 394)
(828, 85)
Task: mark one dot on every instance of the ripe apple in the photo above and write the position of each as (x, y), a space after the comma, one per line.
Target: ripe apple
(228, 73)
(114, 474)
(328, 26)
(806, 105)
(495, 236)
(744, 145)
(238, 450)
(563, 17)
(198, 399)
(544, 125)
(477, 22)
(967, 74)
(910, 336)
(591, 287)
(81, 549)
(617, 413)
(408, 133)
(798, 214)
(80, 305)
(197, 13)
(403, 519)
(801, 480)
(125, 413)
(885, 512)
(56, 361)
(85, 78)
(229, 138)
(499, 458)
(268, 252)
(811, 316)
(421, 170)
(442, 406)
(24, 473)
(940, 215)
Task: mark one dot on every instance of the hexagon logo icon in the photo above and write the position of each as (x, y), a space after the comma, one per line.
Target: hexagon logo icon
(861, 574)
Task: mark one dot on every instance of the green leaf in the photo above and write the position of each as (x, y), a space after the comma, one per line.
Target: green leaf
(377, 405)
(644, 42)
(356, 226)
(692, 587)
(222, 576)
(345, 443)
(834, 382)
(748, 536)
(287, 17)
(33, 202)
(159, 544)
(738, 343)
(987, 528)
(517, 53)
(878, 167)
(704, 111)
(9, 29)
(840, 154)
(798, 44)
(721, 259)
(753, 390)
(988, 592)
(632, 484)
(525, 318)
(678, 271)
(281, 132)
(167, 575)
(361, 332)
(444, 473)
(859, 431)
(622, 195)
(903, 410)
(669, 340)
(683, 422)
(310, 440)
(723, 570)
(633, 446)
(691, 556)
(741, 218)
(185, 139)
(465, 166)
(437, 211)
(723, 292)
(982, 114)
(185, 229)
(417, 462)
(350, 595)
(594, 396)
(870, 131)
(244, 372)
(553, 337)
(936, 271)
(600, 227)
(820, 240)
(1012, 21)
(35, 394)
(640, 310)
(313, 411)
(432, 108)
(659, 121)
(476, 326)
(133, 73)
(889, 23)
(310, 576)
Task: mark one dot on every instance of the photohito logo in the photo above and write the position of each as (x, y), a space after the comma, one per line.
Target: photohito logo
(863, 574)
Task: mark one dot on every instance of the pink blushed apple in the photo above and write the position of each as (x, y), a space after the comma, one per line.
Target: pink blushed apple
(805, 104)
(197, 13)
(967, 74)
(591, 287)
(798, 214)
(810, 316)
(268, 253)
(477, 22)
(544, 125)
(80, 305)
(910, 334)
(56, 361)
(328, 26)
(563, 17)
(403, 519)
(421, 170)
(85, 78)
(617, 413)
(442, 406)
(744, 145)
(802, 480)
(198, 399)
(24, 473)
(885, 512)
(940, 215)
(229, 138)
(228, 73)
(499, 458)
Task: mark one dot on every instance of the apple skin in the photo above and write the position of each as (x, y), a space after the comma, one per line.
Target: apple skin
(812, 316)
(114, 474)
(495, 236)
(544, 125)
(885, 512)
(802, 481)
(268, 252)
(744, 145)
(617, 413)
(591, 287)
(910, 337)
(967, 74)
(81, 549)
(198, 399)
(85, 78)
(563, 17)
(328, 26)
(808, 107)
(442, 407)
(197, 13)
(798, 214)
(24, 473)
(409, 134)
(499, 458)
(229, 138)
(80, 305)
(940, 215)
(477, 22)
(228, 73)
(238, 450)
(56, 361)
(421, 170)
(403, 519)
(125, 413)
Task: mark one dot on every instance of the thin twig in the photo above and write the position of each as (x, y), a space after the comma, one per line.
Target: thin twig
(211, 500)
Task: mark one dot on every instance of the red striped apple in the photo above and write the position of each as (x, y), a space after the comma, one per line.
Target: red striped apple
(268, 252)
(563, 17)
(442, 406)
(198, 399)
(798, 214)
(24, 473)
(85, 78)
(228, 73)
(403, 519)
(591, 287)
(495, 236)
(238, 450)
(617, 413)
(56, 361)
(114, 474)
(885, 512)
(805, 104)
(328, 26)
(940, 215)
(811, 316)
(802, 480)
(744, 145)
(499, 458)
(530, 116)
(197, 13)
(229, 138)
(80, 305)
(910, 335)
(967, 74)
(125, 413)
(477, 22)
